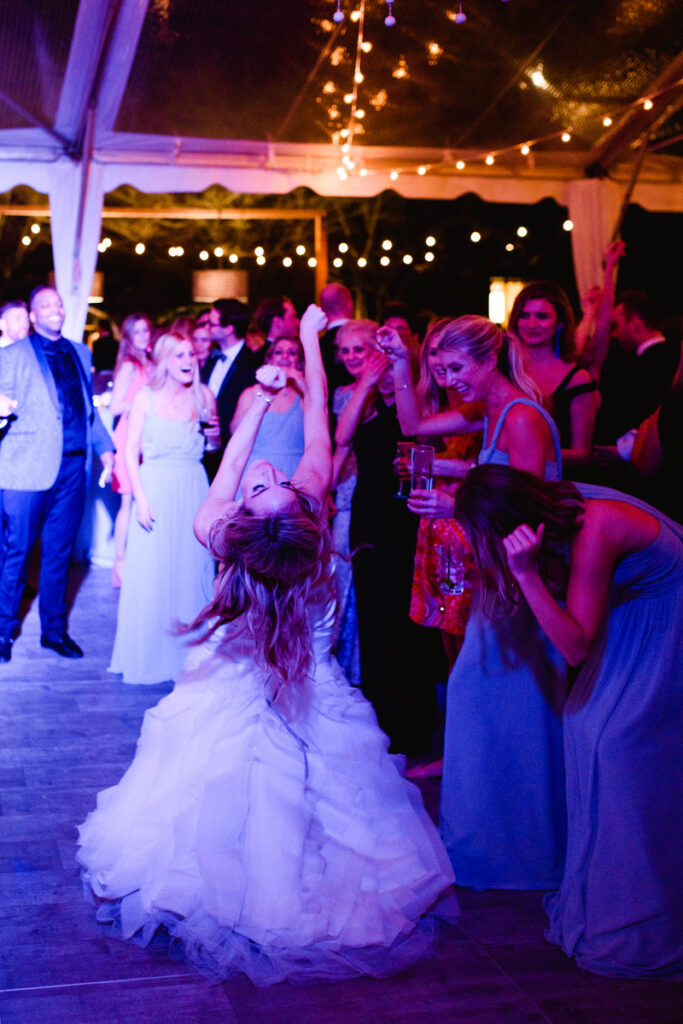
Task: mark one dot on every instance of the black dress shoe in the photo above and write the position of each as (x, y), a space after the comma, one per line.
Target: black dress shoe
(5, 650)
(65, 646)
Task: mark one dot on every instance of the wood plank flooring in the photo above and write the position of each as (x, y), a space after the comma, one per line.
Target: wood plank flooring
(67, 730)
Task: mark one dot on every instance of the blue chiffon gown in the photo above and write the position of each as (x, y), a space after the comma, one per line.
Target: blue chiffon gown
(619, 910)
(503, 810)
(168, 575)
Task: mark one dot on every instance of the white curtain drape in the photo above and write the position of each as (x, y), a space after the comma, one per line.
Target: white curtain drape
(74, 245)
(593, 205)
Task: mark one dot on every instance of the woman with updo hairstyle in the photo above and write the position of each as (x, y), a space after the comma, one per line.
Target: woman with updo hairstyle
(602, 573)
(167, 573)
(543, 321)
(134, 367)
(502, 796)
(263, 823)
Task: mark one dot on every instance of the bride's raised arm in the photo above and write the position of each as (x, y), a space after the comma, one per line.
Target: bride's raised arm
(227, 480)
(314, 472)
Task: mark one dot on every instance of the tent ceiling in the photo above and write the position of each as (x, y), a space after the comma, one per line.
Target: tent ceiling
(196, 80)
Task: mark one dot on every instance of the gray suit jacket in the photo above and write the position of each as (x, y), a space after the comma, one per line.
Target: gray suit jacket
(31, 450)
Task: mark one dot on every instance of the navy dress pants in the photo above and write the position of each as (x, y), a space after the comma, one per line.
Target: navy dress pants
(55, 515)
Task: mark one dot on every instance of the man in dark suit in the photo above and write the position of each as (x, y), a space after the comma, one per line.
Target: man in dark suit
(43, 467)
(231, 369)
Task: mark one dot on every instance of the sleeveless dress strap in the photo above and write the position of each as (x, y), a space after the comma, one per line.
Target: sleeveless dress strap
(546, 416)
(565, 380)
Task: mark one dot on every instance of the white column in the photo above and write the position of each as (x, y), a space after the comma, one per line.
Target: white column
(74, 245)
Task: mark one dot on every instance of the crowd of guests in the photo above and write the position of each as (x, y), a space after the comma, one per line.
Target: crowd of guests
(560, 640)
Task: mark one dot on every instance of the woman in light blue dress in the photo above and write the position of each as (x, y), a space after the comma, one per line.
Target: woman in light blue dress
(280, 439)
(619, 909)
(168, 575)
(503, 815)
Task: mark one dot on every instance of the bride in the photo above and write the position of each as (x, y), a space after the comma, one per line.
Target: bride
(262, 822)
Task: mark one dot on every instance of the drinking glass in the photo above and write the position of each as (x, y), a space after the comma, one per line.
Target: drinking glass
(452, 568)
(422, 467)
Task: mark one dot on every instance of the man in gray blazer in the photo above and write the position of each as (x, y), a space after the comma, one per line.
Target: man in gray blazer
(43, 465)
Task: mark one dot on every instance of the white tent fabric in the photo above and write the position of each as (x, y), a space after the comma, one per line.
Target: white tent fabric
(81, 157)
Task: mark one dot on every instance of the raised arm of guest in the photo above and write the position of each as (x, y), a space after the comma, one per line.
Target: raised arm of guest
(594, 355)
(411, 418)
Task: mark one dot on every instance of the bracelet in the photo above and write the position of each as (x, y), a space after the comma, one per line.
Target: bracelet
(266, 399)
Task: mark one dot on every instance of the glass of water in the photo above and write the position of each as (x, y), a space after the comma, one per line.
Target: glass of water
(422, 467)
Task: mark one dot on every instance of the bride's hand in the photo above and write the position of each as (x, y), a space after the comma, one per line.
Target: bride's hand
(271, 379)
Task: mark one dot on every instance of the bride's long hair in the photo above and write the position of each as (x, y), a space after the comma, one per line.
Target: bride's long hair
(269, 565)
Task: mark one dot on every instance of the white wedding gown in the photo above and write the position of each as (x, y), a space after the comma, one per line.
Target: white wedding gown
(273, 837)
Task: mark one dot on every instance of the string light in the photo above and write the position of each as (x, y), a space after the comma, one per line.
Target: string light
(26, 240)
(566, 137)
(509, 247)
(312, 261)
(287, 261)
(525, 150)
(422, 170)
(394, 175)
(355, 15)
(233, 257)
(429, 257)
(648, 104)
(343, 247)
(606, 121)
(362, 262)
(384, 261)
(387, 244)
(218, 251)
(300, 250)
(336, 262)
(460, 165)
(260, 260)
(259, 251)
(35, 228)
(363, 172)
(522, 232)
(140, 248)
(407, 259)
(475, 237)
(568, 225)
(490, 159)
(430, 240)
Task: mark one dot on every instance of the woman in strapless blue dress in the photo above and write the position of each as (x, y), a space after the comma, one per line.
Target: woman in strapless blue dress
(262, 822)
(502, 797)
(619, 909)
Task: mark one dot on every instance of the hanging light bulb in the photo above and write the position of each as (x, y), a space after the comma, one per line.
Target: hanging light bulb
(390, 20)
(460, 16)
(338, 15)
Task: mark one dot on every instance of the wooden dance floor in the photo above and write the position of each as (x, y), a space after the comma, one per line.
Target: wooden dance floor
(69, 730)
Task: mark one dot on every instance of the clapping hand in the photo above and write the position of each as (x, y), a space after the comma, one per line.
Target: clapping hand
(522, 547)
(374, 369)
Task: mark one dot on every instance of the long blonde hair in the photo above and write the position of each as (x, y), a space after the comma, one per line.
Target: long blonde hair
(479, 338)
(163, 348)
